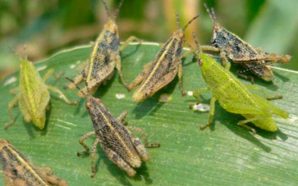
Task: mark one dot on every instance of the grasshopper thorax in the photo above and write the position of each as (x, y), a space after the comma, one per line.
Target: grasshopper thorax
(90, 101)
(178, 35)
(267, 73)
(111, 26)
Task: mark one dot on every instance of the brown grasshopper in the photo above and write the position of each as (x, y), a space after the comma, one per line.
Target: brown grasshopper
(105, 57)
(164, 68)
(231, 46)
(118, 143)
(120, 146)
(19, 172)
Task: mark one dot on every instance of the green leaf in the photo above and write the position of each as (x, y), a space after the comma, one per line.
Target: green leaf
(275, 28)
(226, 155)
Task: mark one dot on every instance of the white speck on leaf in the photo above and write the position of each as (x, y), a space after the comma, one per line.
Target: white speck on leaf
(10, 81)
(41, 68)
(120, 96)
(201, 107)
(189, 93)
(67, 128)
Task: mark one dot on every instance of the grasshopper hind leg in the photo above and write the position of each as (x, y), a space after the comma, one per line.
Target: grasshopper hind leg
(82, 142)
(138, 144)
(140, 77)
(48, 175)
(119, 69)
(243, 123)
(94, 157)
(77, 80)
(62, 96)
(119, 161)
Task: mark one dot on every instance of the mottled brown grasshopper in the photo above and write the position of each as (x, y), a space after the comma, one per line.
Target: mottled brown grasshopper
(118, 143)
(164, 68)
(19, 172)
(105, 57)
(238, 51)
(120, 146)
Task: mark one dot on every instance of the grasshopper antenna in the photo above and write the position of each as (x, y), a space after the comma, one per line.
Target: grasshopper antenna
(211, 13)
(178, 23)
(197, 45)
(106, 8)
(198, 48)
(189, 22)
(77, 87)
(118, 9)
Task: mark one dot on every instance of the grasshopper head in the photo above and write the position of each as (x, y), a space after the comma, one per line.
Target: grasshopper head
(139, 96)
(3, 142)
(111, 26)
(267, 73)
(26, 66)
(205, 60)
(179, 34)
(217, 28)
(91, 101)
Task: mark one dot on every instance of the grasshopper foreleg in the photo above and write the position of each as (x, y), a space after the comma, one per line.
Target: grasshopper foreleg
(61, 95)
(129, 40)
(180, 77)
(94, 157)
(11, 105)
(82, 142)
(211, 113)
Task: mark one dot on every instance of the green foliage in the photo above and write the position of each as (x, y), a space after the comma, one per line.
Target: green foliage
(275, 29)
(225, 155)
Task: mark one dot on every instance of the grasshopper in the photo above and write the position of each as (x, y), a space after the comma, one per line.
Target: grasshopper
(19, 172)
(230, 46)
(33, 95)
(118, 143)
(163, 69)
(105, 57)
(235, 97)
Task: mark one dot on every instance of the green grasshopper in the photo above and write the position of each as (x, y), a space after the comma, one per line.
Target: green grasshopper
(235, 97)
(238, 51)
(105, 57)
(164, 68)
(33, 95)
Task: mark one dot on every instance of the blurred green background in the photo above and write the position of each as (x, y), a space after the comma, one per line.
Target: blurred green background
(46, 27)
